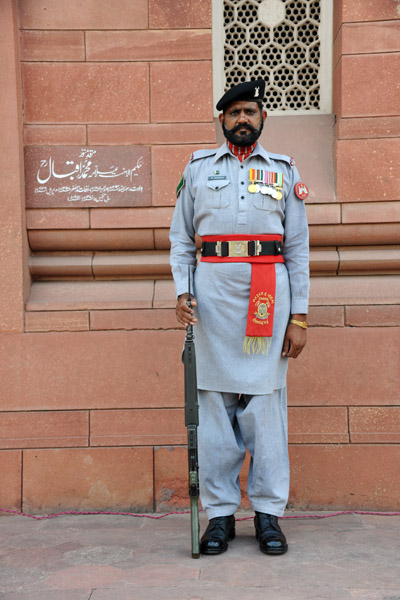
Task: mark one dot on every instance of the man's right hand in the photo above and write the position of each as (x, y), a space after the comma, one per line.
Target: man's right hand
(184, 314)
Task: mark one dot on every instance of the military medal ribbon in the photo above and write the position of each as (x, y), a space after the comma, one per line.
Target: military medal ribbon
(275, 179)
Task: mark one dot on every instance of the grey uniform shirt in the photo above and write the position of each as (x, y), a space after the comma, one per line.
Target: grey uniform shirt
(215, 200)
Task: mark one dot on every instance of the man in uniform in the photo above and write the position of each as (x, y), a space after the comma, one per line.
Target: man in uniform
(251, 301)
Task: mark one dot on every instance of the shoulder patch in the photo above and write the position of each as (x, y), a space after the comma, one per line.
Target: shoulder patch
(181, 185)
(301, 190)
(203, 153)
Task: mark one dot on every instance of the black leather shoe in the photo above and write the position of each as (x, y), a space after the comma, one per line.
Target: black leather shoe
(219, 532)
(269, 534)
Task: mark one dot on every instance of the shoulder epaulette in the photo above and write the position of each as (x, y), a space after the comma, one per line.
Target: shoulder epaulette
(287, 159)
(203, 153)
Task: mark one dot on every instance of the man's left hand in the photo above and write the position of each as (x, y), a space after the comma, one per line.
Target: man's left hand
(295, 338)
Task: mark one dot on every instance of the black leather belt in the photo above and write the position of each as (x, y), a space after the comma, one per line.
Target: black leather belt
(240, 248)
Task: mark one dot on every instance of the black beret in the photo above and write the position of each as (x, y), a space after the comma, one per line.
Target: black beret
(249, 90)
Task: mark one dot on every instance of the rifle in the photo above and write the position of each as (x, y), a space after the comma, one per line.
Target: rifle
(191, 422)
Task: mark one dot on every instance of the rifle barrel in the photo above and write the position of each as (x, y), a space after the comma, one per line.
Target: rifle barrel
(191, 422)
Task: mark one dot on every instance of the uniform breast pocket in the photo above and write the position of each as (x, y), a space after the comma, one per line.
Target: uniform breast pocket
(217, 195)
(263, 202)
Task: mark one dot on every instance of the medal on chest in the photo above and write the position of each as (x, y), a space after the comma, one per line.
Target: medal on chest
(268, 183)
(254, 178)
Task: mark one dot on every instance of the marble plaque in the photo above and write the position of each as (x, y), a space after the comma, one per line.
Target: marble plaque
(92, 176)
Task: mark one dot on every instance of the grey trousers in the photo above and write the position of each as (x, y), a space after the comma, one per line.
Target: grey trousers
(228, 424)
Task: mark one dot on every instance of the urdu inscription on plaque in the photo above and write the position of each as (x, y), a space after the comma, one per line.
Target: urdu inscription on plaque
(92, 176)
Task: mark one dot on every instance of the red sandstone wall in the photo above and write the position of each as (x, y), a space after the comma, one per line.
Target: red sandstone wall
(91, 397)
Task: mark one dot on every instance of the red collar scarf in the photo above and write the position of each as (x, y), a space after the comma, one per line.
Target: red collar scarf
(242, 152)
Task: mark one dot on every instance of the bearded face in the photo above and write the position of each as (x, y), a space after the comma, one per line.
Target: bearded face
(242, 123)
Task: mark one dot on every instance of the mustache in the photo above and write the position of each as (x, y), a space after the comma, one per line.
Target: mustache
(247, 126)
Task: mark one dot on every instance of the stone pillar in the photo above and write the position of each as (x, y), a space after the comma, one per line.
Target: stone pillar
(14, 280)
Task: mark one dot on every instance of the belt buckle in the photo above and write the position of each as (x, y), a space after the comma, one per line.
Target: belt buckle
(238, 248)
(258, 248)
(218, 250)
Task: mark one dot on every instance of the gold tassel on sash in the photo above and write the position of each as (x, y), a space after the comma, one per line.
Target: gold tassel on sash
(256, 345)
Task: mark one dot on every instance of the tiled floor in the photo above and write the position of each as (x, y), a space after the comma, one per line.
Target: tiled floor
(130, 558)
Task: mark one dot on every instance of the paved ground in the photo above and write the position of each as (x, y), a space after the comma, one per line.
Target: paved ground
(127, 558)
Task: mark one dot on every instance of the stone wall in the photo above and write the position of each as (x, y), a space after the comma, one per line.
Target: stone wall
(91, 380)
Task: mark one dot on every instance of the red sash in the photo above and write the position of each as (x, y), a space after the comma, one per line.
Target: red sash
(260, 314)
